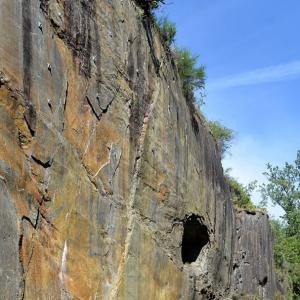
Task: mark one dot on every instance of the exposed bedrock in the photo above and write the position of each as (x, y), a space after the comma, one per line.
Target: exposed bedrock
(110, 186)
(253, 264)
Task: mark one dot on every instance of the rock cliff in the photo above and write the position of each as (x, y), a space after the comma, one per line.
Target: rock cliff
(253, 264)
(111, 187)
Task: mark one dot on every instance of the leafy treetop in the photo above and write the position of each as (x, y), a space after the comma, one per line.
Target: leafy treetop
(283, 188)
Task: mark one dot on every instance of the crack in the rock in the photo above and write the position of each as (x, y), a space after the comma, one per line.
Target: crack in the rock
(65, 105)
(90, 178)
(21, 292)
(130, 206)
(34, 225)
(44, 217)
(106, 108)
(117, 166)
(30, 113)
(92, 108)
(24, 270)
(111, 101)
(147, 25)
(66, 96)
(152, 188)
(45, 165)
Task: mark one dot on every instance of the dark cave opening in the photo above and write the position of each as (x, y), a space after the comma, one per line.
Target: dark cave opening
(195, 237)
(264, 281)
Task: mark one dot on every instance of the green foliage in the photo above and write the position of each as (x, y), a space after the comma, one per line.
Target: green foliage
(287, 258)
(167, 30)
(241, 194)
(283, 188)
(192, 77)
(287, 248)
(149, 5)
(223, 135)
(154, 4)
(295, 277)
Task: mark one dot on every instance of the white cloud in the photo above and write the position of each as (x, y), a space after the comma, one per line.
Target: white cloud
(268, 74)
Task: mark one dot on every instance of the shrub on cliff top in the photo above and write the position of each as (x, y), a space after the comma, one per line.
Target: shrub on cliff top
(241, 194)
(192, 77)
(167, 30)
(149, 5)
(222, 134)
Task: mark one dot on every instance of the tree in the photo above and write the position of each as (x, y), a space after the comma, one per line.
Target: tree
(192, 77)
(283, 188)
(223, 135)
(287, 259)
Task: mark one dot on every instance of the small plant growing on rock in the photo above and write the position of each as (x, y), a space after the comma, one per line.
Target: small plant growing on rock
(192, 77)
(167, 30)
(241, 195)
(222, 134)
(149, 5)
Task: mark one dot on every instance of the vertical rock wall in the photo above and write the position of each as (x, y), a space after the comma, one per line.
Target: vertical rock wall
(253, 268)
(102, 163)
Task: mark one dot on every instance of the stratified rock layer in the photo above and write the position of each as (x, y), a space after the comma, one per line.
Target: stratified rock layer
(103, 165)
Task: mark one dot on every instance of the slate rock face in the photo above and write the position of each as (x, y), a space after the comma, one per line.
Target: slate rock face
(10, 267)
(106, 174)
(253, 271)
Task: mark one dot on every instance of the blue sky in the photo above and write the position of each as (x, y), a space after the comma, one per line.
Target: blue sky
(251, 49)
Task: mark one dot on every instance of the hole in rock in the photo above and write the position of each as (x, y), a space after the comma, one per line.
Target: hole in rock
(195, 237)
(264, 281)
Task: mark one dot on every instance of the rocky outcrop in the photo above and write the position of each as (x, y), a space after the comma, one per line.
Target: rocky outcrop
(111, 187)
(253, 267)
